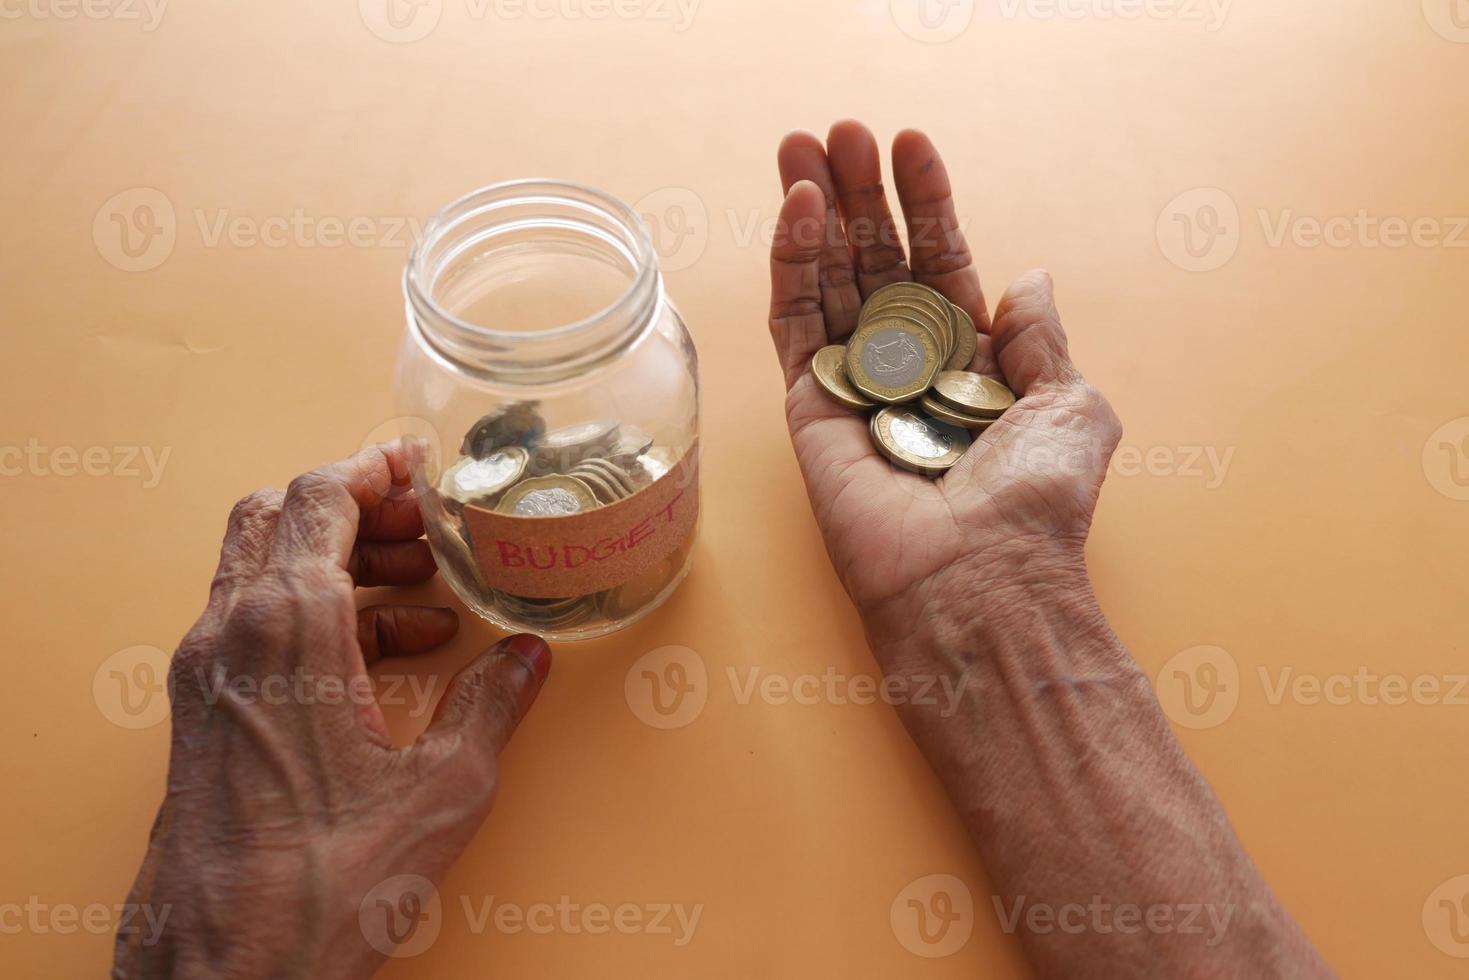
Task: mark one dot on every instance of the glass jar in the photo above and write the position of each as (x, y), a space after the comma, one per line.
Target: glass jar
(561, 388)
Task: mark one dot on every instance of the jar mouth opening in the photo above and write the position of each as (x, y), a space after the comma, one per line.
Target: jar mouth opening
(584, 210)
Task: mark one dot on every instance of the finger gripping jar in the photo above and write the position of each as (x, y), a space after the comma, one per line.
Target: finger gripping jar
(555, 398)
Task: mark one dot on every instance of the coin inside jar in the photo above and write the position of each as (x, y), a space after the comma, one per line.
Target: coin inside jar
(911, 439)
(972, 394)
(829, 367)
(515, 424)
(563, 448)
(891, 359)
(548, 496)
(473, 480)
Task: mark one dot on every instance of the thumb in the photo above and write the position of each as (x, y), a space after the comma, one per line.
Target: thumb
(1028, 339)
(485, 701)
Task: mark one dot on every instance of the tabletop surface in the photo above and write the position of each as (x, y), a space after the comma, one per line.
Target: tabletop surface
(1254, 214)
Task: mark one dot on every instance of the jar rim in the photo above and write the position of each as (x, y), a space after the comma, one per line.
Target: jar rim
(641, 291)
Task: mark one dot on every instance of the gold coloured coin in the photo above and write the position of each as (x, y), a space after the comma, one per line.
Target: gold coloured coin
(601, 488)
(915, 295)
(912, 439)
(937, 326)
(829, 366)
(472, 481)
(972, 394)
(892, 360)
(944, 413)
(613, 474)
(548, 496)
(932, 310)
(966, 341)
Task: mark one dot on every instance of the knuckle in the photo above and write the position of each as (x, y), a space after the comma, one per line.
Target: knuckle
(316, 487)
(257, 503)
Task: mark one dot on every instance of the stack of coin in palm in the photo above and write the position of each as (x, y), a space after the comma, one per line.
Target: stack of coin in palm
(909, 359)
(511, 464)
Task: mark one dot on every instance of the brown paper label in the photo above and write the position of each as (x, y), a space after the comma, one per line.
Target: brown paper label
(555, 557)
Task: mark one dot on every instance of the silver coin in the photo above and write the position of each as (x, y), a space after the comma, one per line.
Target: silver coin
(551, 502)
(894, 358)
(920, 437)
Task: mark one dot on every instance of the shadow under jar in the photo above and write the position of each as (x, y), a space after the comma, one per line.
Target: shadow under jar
(554, 390)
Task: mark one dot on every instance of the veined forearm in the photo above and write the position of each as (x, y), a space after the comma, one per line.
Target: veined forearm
(1108, 852)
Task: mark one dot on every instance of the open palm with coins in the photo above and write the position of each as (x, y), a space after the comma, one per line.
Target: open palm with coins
(971, 571)
(1020, 499)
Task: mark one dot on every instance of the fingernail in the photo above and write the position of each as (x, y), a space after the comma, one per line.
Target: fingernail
(531, 651)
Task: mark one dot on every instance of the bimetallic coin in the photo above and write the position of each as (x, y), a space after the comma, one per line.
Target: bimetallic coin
(913, 295)
(932, 313)
(944, 413)
(473, 480)
(892, 360)
(548, 496)
(966, 341)
(829, 367)
(972, 394)
(515, 424)
(913, 440)
(935, 323)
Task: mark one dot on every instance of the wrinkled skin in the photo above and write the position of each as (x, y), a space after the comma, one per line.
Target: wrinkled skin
(1020, 502)
(284, 811)
(1056, 754)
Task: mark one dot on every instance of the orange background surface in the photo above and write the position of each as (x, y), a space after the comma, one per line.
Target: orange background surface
(1333, 542)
